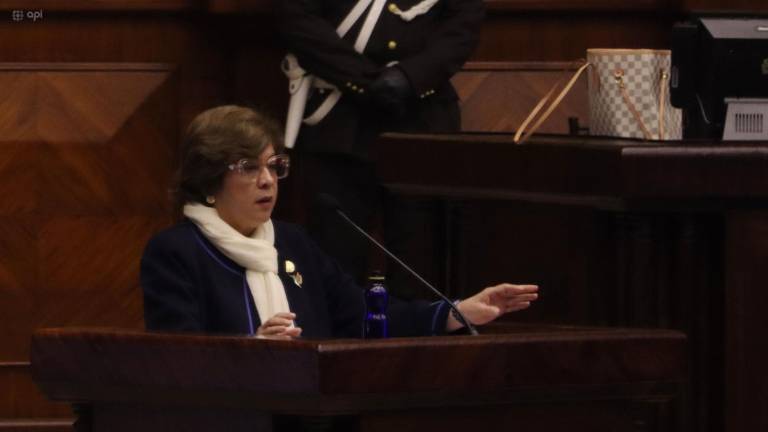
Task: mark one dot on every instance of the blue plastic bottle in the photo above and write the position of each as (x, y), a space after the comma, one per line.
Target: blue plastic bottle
(376, 300)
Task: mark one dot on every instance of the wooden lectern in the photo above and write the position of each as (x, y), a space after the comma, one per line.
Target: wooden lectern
(632, 233)
(526, 379)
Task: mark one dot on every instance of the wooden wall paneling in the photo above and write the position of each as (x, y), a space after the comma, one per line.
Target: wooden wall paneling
(102, 5)
(746, 246)
(498, 96)
(22, 404)
(239, 6)
(678, 251)
(566, 37)
(670, 276)
(499, 6)
(18, 273)
(92, 179)
(494, 6)
(258, 79)
(697, 291)
(192, 43)
(100, 165)
(738, 6)
(541, 244)
(603, 268)
(641, 247)
(37, 425)
(88, 157)
(424, 249)
(608, 415)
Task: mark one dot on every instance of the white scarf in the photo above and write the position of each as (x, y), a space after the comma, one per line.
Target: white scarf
(256, 253)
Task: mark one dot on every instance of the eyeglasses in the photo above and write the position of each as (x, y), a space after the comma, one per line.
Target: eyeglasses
(277, 165)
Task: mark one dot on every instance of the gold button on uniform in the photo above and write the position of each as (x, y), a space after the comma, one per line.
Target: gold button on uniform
(392, 45)
(393, 7)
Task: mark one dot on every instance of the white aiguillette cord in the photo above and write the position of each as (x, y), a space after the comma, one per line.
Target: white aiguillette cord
(415, 10)
(360, 43)
(352, 17)
(370, 22)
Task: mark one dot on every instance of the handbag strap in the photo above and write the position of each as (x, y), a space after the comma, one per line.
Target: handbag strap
(521, 130)
(618, 76)
(662, 102)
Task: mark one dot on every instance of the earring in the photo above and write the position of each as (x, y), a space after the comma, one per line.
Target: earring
(210, 199)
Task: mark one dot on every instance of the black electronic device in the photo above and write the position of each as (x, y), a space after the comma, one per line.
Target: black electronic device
(714, 59)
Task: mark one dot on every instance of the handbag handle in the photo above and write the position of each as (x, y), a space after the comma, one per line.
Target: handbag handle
(521, 136)
(662, 102)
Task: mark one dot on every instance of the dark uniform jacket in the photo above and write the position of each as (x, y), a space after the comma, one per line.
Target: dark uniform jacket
(189, 285)
(429, 50)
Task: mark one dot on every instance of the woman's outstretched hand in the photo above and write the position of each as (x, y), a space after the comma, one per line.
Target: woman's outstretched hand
(493, 302)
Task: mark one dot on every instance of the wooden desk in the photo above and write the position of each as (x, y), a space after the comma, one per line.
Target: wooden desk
(532, 378)
(616, 232)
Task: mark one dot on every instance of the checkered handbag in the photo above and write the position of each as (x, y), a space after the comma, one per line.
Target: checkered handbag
(628, 92)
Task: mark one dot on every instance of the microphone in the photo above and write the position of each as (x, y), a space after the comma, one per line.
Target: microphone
(332, 203)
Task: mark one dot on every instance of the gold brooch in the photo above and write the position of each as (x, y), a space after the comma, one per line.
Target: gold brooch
(290, 268)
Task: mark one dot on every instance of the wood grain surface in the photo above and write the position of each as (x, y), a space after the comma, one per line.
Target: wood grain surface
(85, 161)
(94, 97)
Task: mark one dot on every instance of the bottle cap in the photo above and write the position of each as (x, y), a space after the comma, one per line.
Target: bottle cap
(376, 276)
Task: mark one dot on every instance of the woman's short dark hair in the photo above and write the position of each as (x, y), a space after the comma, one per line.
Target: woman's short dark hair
(216, 138)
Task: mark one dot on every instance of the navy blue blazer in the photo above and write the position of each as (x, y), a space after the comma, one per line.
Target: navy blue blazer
(189, 285)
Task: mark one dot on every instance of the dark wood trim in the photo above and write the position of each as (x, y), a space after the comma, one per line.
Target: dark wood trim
(603, 171)
(84, 67)
(265, 6)
(102, 5)
(125, 380)
(239, 6)
(14, 364)
(457, 193)
(29, 425)
(578, 6)
(532, 66)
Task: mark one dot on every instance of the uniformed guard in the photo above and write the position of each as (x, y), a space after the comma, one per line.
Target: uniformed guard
(358, 68)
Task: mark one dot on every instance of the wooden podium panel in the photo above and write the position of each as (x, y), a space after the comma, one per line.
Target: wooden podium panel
(124, 380)
(616, 232)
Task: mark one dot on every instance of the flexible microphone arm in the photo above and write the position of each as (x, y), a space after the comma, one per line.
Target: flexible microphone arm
(332, 203)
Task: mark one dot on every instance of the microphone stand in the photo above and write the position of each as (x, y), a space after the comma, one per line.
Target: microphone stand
(462, 319)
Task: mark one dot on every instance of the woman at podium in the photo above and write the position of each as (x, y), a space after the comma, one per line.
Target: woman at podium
(227, 267)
